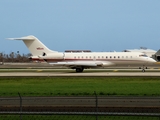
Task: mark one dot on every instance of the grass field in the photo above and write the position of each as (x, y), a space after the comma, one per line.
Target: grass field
(80, 86)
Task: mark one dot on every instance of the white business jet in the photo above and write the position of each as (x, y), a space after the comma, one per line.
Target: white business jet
(80, 60)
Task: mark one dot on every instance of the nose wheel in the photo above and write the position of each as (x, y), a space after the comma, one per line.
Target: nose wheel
(143, 68)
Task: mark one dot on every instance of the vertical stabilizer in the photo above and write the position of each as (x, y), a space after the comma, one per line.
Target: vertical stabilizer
(35, 46)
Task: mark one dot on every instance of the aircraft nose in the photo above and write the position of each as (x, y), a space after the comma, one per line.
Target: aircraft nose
(152, 60)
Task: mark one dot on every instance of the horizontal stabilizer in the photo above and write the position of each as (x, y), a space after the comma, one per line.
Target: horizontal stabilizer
(23, 38)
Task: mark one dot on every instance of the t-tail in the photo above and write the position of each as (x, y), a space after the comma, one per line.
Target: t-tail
(35, 46)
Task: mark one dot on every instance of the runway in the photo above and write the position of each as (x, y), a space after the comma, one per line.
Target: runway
(43, 69)
(49, 74)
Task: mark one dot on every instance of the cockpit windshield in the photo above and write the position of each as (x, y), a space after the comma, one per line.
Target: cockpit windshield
(143, 55)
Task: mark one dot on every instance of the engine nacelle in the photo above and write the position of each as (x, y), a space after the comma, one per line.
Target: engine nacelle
(35, 59)
(55, 56)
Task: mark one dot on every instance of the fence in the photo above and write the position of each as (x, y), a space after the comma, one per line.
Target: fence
(79, 108)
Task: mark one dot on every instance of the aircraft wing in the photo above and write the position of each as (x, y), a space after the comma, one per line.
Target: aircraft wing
(83, 63)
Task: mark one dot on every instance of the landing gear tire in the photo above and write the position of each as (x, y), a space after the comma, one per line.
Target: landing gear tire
(143, 70)
(79, 69)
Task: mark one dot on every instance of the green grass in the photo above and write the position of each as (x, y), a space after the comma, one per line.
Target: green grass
(69, 86)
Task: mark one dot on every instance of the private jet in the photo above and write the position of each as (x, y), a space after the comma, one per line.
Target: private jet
(83, 59)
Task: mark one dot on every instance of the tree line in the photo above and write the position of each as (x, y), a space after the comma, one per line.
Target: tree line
(14, 57)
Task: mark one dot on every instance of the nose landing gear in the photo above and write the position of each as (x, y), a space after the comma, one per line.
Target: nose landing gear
(143, 68)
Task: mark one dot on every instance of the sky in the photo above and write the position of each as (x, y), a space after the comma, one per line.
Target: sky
(96, 25)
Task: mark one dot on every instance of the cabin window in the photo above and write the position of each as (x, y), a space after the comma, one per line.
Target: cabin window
(114, 56)
(110, 56)
(90, 57)
(126, 56)
(86, 57)
(74, 57)
(98, 57)
(118, 56)
(102, 57)
(82, 57)
(122, 56)
(106, 56)
(131, 56)
(78, 57)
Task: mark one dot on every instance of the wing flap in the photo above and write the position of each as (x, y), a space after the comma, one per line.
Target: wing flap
(73, 64)
(82, 63)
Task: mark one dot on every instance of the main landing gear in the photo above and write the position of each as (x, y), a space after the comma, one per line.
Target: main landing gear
(79, 69)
